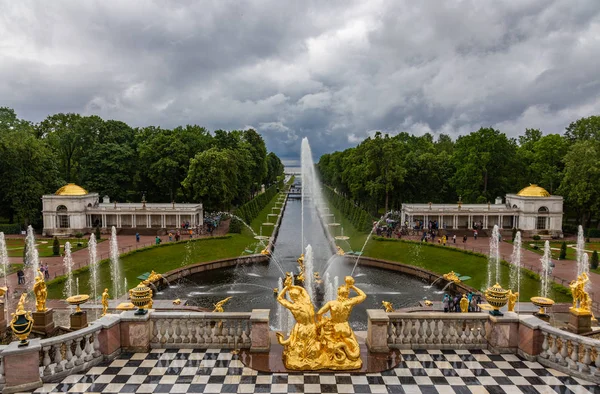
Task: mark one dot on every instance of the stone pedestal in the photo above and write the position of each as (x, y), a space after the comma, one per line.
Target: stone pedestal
(79, 320)
(580, 322)
(44, 321)
(22, 367)
(259, 334)
(503, 333)
(3, 321)
(135, 331)
(377, 331)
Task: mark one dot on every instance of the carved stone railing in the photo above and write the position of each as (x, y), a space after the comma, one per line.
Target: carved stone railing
(437, 330)
(570, 353)
(70, 353)
(2, 380)
(227, 330)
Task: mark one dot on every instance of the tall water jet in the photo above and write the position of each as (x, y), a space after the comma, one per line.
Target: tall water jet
(329, 289)
(32, 258)
(311, 188)
(93, 256)
(115, 269)
(546, 261)
(4, 267)
(515, 267)
(494, 258)
(68, 263)
(309, 272)
(281, 317)
(585, 269)
(580, 250)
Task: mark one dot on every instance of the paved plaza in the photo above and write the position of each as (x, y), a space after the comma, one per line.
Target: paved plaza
(420, 371)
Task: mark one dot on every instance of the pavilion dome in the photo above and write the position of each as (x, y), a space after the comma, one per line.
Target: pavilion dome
(533, 191)
(71, 189)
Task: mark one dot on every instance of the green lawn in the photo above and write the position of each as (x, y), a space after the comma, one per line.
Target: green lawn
(555, 247)
(12, 268)
(264, 218)
(44, 246)
(161, 258)
(442, 260)
(357, 238)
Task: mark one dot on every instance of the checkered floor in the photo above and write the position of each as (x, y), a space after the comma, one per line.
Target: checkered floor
(219, 371)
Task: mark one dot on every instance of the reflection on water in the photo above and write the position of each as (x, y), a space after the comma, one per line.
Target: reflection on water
(252, 285)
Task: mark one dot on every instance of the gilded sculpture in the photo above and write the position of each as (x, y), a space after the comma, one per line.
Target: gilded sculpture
(582, 302)
(316, 341)
(451, 277)
(512, 300)
(219, 305)
(22, 322)
(105, 302)
(300, 277)
(41, 292)
(153, 277)
(389, 307)
(464, 304)
(340, 251)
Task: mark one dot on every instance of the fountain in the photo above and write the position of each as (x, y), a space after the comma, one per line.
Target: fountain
(115, 269)
(543, 301)
(309, 273)
(68, 263)
(494, 258)
(32, 258)
(4, 266)
(580, 250)
(515, 267)
(92, 251)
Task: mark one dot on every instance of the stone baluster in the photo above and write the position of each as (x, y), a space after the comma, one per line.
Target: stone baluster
(96, 343)
(239, 332)
(597, 361)
(428, 331)
(553, 352)
(444, 332)
(78, 352)
(200, 331)
(585, 364)
(247, 330)
(46, 361)
(406, 329)
(452, 333)
(232, 329)
(225, 331)
(155, 331)
(185, 331)
(2, 380)
(574, 358)
(89, 352)
(177, 330)
(544, 352)
(391, 335)
(463, 332)
(69, 355)
(191, 331)
(561, 356)
(437, 331)
(421, 331)
(208, 331)
(169, 330)
(475, 331)
(58, 357)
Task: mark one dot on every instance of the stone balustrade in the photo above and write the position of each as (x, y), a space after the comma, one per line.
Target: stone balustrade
(226, 330)
(570, 353)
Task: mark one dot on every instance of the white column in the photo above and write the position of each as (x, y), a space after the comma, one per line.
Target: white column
(178, 220)
(104, 220)
(164, 221)
(133, 221)
(500, 221)
(148, 224)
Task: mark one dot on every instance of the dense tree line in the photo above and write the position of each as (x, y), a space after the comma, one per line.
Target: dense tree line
(383, 171)
(186, 164)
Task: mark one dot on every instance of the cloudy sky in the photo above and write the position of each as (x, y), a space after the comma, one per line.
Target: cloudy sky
(333, 71)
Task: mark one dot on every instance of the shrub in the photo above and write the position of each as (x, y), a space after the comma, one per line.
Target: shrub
(594, 260)
(593, 233)
(97, 233)
(55, 247)
(235, 226)
(569, 229)
(10, 228)
(79, 235)
(563, 251)
(536, 237)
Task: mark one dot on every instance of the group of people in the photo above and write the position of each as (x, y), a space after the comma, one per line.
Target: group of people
(43, 269)
(452, 304)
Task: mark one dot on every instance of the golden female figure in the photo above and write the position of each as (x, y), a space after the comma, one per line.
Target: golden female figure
(105, 302)
(41, 292)
(342, 349)
(301, 351)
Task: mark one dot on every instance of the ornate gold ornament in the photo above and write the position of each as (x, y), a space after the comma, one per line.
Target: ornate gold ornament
(497, 297)
(389, 307)
(22, 322)
(512, 300)
(582, 302)
(316, 341)
(153, 277)
(340, 251)
(78, 300)
(464, 304)
(219, 305)
(41, 292)
(105, 302)
(141, 296)
(451, 277)
(542, 303)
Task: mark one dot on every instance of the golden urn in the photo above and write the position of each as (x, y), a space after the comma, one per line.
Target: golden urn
(141, 296)
(78, 300)
(497, 297)
(542, 303)
(22, 322)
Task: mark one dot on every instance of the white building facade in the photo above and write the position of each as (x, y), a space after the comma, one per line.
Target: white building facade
(72, 210)
(533, 211)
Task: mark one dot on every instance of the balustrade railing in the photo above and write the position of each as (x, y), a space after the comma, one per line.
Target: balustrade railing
(2, 379)
(437, 330)
(69, 353)
(229, 330)
(564, 350)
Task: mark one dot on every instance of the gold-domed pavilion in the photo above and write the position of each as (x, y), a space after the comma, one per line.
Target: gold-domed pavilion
(533, 191)
(71, 189)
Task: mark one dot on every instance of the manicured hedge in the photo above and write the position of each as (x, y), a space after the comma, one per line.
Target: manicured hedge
(360, 219)
(10, 228)
(250, 210)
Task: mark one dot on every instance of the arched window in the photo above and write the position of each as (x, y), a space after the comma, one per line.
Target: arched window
(542, 219)
(62, 216)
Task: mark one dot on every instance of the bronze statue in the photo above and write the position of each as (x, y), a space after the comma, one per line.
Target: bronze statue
(512, 300)
(219, 305)
(105, 302)
(41, 292)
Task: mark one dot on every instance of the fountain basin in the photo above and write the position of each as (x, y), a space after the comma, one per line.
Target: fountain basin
(542, 303)
(333, 224)
(77, 300)
(342, 238)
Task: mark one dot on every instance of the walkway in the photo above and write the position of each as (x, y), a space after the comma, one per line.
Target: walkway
(420, 371)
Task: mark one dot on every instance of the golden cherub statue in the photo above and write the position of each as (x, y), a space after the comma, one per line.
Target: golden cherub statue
(512, 300)
(219, 305)
(105, 302)
(177, 302)
(464, 304)
(389, 307)
(581, 299)
(340, 251)
(452, 277)
(41, 292)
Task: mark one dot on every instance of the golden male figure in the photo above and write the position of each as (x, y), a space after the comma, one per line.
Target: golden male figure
(301, 351)
(105, 302)
(342, 349)
(41, 292)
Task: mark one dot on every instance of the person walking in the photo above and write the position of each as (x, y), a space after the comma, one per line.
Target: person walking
(137, 237)
(475, 235)
(446, 303)
(170, 236)
(21, 277)
(454, 238)
(464, 239)
(158, 240)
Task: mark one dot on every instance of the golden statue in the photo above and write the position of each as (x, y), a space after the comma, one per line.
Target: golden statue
(512, 300)
(340, 251)
(428, 303)
(177, 302)
(317, 277)
(153, 277)
(41, 292)
(582, 302)
(219, 305)
(22, 322)
(451, 277)
(464, 304)
(300, 277)
(265, 252)
(318, 342)
(105, 302)
(389, 307)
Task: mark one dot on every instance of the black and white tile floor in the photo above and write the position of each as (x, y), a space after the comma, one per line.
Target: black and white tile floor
(219, 371)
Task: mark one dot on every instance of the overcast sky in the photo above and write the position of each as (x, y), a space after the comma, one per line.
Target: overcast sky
(333, 71)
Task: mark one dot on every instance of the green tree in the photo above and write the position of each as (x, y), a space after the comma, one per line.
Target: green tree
(584, 129)
(541, 159)
(56, 247)
(594, 260)
(275, 168)
(563, 251)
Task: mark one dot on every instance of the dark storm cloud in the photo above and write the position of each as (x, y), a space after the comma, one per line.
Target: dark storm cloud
(334, 71)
